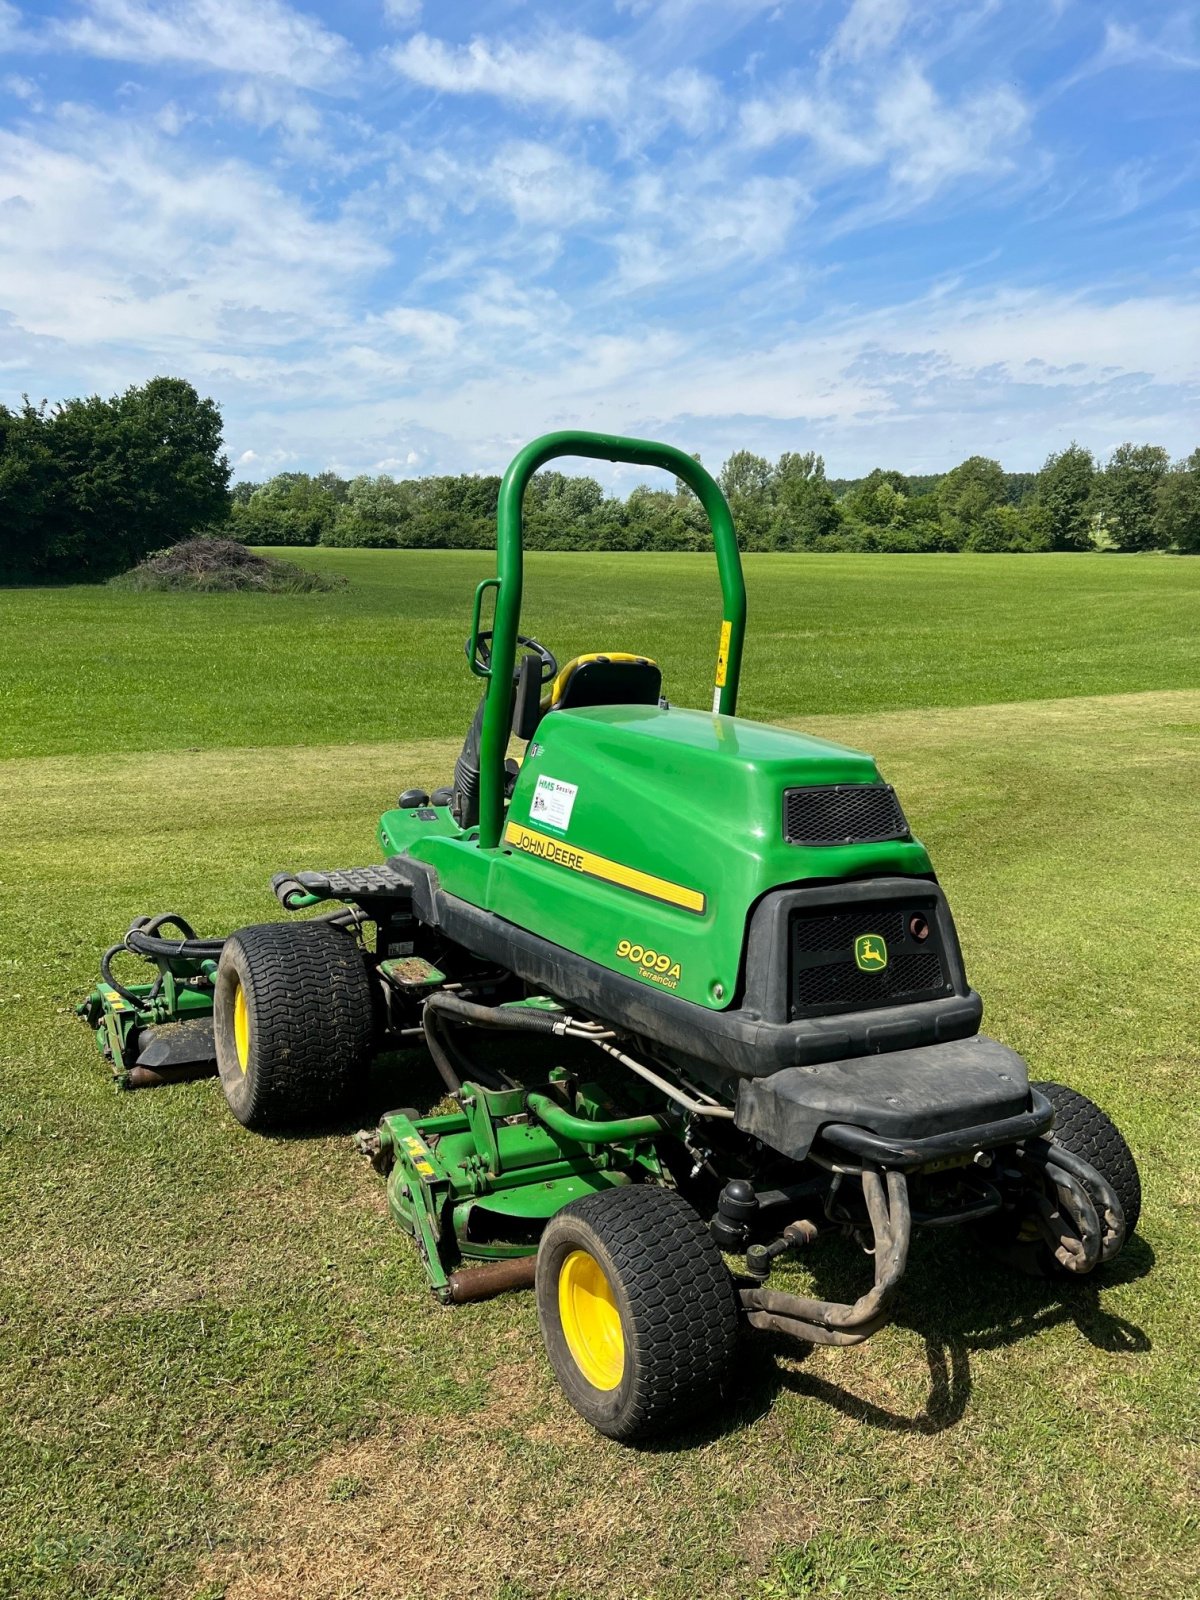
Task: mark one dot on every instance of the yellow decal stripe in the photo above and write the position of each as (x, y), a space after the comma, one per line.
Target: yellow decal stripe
(723, 654)
(569, 855)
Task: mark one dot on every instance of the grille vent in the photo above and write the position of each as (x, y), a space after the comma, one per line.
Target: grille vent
(843, 813)
(826, 978)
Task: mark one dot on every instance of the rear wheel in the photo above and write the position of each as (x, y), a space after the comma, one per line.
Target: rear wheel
(636, 1307)
(293, 1023)
(1082, 1129)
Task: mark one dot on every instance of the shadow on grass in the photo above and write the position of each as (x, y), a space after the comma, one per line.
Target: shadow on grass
(959, 1300)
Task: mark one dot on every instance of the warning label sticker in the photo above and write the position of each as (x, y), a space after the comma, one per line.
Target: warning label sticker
(553, 802)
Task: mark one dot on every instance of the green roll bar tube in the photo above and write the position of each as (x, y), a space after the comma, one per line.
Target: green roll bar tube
(497, 716)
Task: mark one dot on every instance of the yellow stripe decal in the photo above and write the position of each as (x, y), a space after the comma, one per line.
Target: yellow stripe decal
(723, 654)
(570, 855)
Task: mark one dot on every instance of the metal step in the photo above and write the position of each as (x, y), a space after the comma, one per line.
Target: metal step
(354, 883)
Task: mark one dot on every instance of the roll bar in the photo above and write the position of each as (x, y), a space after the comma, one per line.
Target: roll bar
(497, 716)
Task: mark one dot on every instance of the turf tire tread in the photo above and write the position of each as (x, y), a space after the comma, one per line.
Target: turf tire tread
(1082, 1128)
(312, 1022)
(680, 1296)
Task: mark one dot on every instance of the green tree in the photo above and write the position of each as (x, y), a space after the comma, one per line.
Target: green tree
(34, 536)
(377, 513)
(1179, 505)
(290, 508)
(112, 480)
(878, 500)
(747, 481)
(804, 511)
(1065, 489)
(1127, 493)
(966, 495)
(1009, 528)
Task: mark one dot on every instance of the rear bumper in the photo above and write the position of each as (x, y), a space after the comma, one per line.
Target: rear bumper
(906, 1155)
(900, 1110)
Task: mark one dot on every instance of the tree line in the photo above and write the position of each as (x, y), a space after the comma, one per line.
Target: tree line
(89, 487)
(1136, 500)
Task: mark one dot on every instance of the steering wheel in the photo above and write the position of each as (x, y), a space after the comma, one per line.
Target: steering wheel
(483, 643)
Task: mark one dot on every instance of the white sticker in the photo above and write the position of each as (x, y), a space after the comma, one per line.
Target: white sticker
(716, 702)
(552, 802)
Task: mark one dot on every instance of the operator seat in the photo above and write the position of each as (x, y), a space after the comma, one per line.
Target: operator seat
(608, 678)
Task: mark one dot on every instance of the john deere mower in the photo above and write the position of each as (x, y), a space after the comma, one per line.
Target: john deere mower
(696, 999)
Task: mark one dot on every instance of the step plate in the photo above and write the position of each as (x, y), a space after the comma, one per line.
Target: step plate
(353, 883)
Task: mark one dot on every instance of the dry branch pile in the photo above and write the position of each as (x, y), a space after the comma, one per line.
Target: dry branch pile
(221, 566)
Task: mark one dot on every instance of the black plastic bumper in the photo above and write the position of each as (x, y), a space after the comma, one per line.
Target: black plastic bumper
(900, 1110)
(905, 1155)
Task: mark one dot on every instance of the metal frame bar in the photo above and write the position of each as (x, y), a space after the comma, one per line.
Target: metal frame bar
(509, 577)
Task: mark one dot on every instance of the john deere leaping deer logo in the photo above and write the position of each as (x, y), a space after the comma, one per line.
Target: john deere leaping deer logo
(870, 952)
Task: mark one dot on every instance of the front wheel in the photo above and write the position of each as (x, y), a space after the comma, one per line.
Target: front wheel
(1082, 1128)
(636, 1307)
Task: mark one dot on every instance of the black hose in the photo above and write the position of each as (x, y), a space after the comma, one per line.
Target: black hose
(144, 939)
(115, 983)
(522, 1019)
(442, 1008)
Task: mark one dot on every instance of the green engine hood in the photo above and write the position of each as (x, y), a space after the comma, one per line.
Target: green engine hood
(641, 837)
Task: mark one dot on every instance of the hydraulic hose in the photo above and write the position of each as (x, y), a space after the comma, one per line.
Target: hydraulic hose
(442, 1009)
(145, 939)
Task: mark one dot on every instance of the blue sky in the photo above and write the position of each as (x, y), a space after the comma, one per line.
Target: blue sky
(405, 237)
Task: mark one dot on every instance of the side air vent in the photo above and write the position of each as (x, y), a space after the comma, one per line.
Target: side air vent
(843, 813)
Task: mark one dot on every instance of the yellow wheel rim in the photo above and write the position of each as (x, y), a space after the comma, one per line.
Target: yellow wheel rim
(241, 1027)
(590, 1320)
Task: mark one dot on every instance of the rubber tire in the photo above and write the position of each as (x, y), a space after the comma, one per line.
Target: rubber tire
(311, 1022)
(1082, 1128)
(679, 1315)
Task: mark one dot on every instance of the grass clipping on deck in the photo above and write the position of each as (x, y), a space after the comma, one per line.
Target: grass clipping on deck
(221, 566)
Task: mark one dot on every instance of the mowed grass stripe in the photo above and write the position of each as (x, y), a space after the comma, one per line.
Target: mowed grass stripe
(87, 670)
(223, 1374)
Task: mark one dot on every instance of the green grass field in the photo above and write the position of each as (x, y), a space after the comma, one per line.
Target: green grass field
(221, 1374)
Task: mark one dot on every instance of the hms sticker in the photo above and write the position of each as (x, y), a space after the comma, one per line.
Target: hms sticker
(553, 802)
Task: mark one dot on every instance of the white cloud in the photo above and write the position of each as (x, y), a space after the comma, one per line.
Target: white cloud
(545, 188)
(124, 240)
(567, 71)
(266, 104)
(572, 73)
(924, 141)
(402, 12)
(242, 36)
(11, 34)
(1175, 47)
(24, 90)
(870, 27)
(691, 98)
(793, 113)
(432, 330)
(172, 119)
(541, 185)
(929, 143)
(919, 385)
